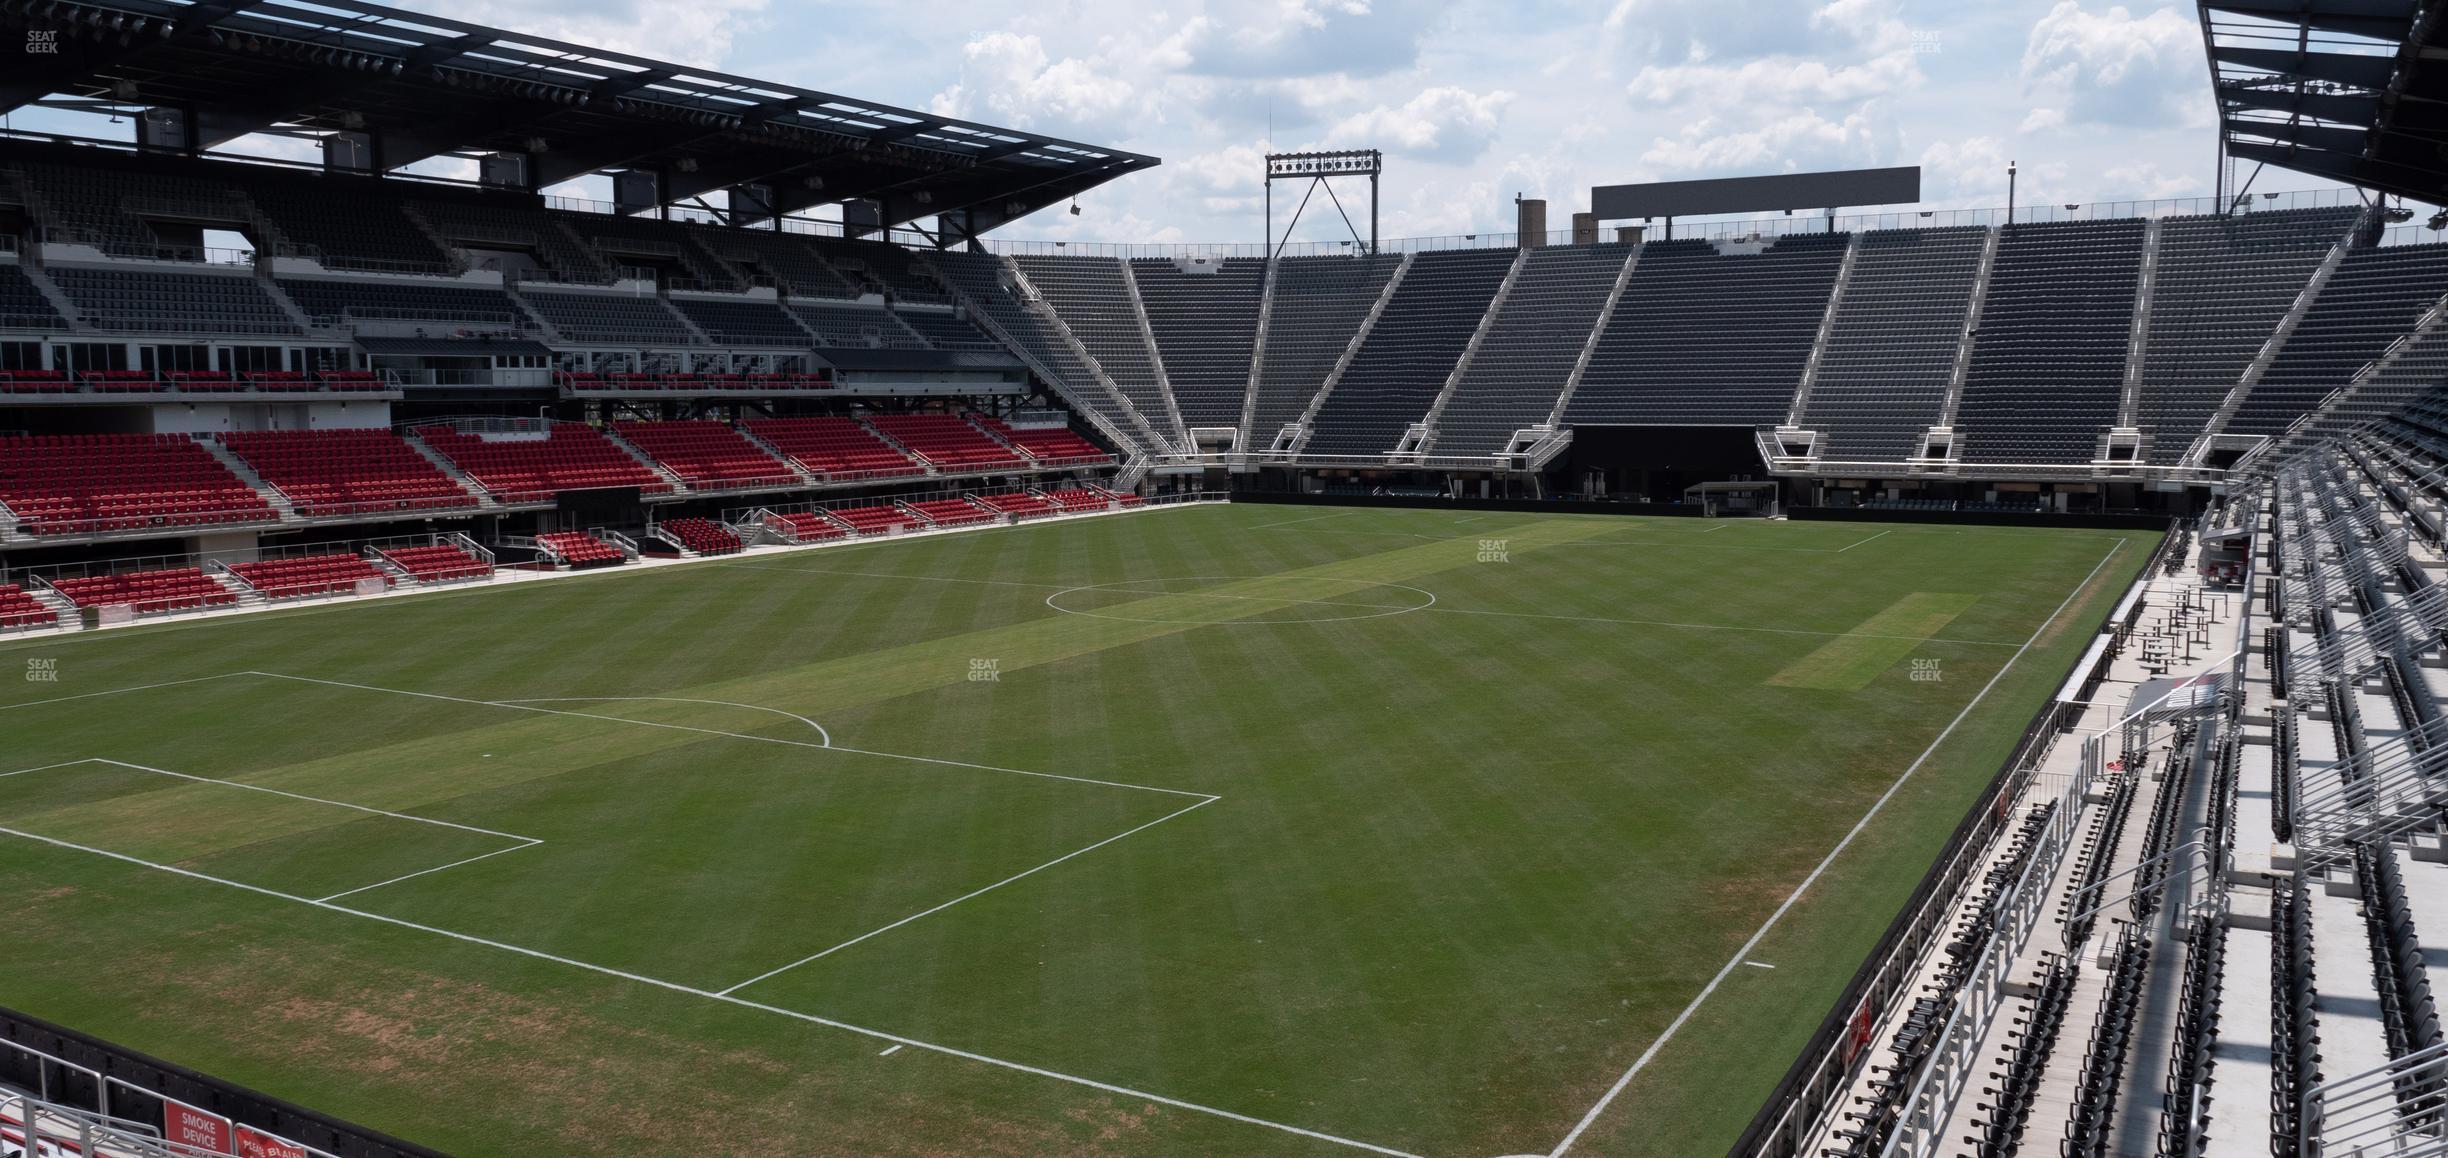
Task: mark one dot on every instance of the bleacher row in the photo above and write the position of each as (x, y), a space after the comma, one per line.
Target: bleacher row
(2027, 342)
(2021, 340)
(450, 558)
(87, 484)
(347, 223)
(2226, 933)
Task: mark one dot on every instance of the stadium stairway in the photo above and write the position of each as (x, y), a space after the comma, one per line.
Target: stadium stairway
(484, 498)
(272, 495)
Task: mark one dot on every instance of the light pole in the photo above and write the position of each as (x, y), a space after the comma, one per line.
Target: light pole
(2010, 192)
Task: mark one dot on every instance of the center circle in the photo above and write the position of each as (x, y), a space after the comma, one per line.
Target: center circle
(1303, 599)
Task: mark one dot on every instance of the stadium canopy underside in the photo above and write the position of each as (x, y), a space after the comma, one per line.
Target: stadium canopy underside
(2350, 90)
(411, 87)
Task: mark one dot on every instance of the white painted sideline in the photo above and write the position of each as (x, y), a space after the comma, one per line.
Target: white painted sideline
(523, 842)
(724, 996)
(1744, 953)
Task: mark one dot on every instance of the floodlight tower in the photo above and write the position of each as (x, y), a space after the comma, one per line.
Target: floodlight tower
(1319, 169)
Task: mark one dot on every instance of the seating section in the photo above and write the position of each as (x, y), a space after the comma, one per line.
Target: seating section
(611, 319)
(1518, 375)
(707, 455)
(531, 469)
(1711, 334)
(108, 204)
(298, 576)
(507, 224)
(167, 301)
(437, 563)
(878, 267)
(834, 449)
(1124, 498)
(703, 536)
(742, 321)
(342, 301)
(880, 519)
(23, 307)
(1095, 303)
(947, 331)
(2221, 288)
(1079, 499)
(948, 441)
(981, 279)
(786, 258)
(347, 222)
(856, 327)
(580, 550)
(2372, 300)
(168, 589)
(1206, 326)
(952, 512)
(2048, 370)
(1049, 446)
(1018, 505)
(1319, 304)
(1406, 358)
(1892, 348)
(347, 472)
(812, 526)
(19, 609)
(670, 248)
(74, 484)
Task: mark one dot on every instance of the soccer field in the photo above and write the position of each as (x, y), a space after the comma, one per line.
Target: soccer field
(1210, 830)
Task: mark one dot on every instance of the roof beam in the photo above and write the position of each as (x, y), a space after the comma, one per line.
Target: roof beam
(2385, 176)
(2374, 19)
(2370, 72)
(2355, 110)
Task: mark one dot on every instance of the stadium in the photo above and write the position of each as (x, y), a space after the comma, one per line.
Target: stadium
(780, 662)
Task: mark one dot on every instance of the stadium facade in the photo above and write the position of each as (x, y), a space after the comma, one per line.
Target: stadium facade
(399, 381)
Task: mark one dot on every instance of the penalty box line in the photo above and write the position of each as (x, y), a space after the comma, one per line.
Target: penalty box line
(710, 995)
(519, 842)
(727, 996)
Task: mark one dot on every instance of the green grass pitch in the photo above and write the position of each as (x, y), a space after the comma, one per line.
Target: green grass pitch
(1214, 830)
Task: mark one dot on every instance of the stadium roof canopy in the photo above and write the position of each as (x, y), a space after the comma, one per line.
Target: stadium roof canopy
(2351, 90)
(420, 86)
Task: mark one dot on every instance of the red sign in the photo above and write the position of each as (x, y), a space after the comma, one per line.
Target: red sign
(1858, 1034)
(254, 1143)
(188, 1126)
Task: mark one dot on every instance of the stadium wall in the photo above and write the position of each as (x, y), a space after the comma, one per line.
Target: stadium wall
(40, 1048)
(1825, 1067)
(1412, 502)
(2133, 522)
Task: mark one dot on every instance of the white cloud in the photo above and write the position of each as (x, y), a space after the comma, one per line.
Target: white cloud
(1776, 78)
(2113, 67)
(1446, 123)
(1790, 143)
(700, 32)
(2041, 119)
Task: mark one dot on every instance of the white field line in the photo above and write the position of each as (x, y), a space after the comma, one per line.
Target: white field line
(889, 1051)
(1871, 539)
(771, 973)
(1439, 608)
(1744, 953)
(1719, 626)
(507, 706)
(1305, 519)
(820, 728)
(119, 691)
(1717, 528)
(318, 605)
(676, 987)
(299, 796)
(531, 843)
(523, 841)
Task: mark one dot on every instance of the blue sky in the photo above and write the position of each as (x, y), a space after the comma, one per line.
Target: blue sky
(1474, 102)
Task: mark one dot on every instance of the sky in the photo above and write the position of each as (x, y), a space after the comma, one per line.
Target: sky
(1477, 102)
